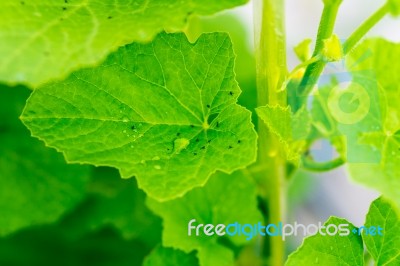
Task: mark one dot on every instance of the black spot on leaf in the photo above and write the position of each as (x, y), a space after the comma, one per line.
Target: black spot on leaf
(211, 118)
(64, 8)
(178, 134)
(208, 106)
(231, 93)
(230, 147)
(109, 17)
(239, 141)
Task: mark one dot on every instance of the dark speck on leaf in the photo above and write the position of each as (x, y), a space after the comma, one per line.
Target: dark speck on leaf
(208, 106)
(209, 141)
(64, 8)
(231, 93)
(133, 127)
(217, 124)
(22, 3)
(191, 126)
(239, 141)
(66, 1)
(230, 147)
(203, 148)
(197, 140)
(178, 134)
(194, 153)
(109, 17)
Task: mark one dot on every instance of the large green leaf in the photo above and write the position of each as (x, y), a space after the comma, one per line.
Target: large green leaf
(36, 185)
(385, 249)
(225, 199)
(383, 136)
(329, 250)
(362, 106)
(46, 39)
(165, 112)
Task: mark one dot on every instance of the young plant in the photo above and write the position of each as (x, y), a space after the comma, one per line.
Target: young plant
(118, 85)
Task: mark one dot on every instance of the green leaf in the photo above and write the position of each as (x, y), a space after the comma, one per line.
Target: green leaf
(161, 256)
(383, 135)
(225, 199)
(291, 129)
(165, 112)
(332, 49)
(116, 202)
(44, 40)
(36, 185)
(384, 249)
(329, 250)
(303, 50)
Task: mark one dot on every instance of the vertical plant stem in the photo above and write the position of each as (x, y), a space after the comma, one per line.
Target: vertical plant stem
(271, 73)
(314, 70)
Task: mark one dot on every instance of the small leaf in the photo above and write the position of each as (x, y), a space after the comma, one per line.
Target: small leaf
(332, 50)
(303, 50)
(43, 40)
(292, 130)
(329, 250)
(161, 112)
(225, 199)
(385, 249)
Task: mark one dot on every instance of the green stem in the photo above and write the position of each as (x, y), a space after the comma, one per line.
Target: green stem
(314, 70)
(364, 28)
(271, 73)
(311, 165)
